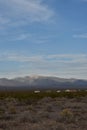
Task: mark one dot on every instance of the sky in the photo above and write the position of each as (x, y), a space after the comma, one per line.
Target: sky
(43, 37)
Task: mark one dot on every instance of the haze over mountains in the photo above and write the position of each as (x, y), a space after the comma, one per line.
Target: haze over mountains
(41, 82)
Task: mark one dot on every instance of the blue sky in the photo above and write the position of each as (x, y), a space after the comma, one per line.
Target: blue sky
(43, 37)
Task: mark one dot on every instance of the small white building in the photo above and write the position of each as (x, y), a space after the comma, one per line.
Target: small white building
(37, 91)
(58, 91)
(67, 90)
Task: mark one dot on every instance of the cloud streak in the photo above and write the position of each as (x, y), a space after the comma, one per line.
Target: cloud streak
(3, 20)
(83, 36)
(25, 11)
(21, 37)
(62, 65)
(63, 58)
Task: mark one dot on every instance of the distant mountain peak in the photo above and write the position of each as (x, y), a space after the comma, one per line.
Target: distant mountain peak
(43, 82)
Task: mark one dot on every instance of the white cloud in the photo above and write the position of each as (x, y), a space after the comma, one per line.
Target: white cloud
(84, 36)
(69, 58)
(21, 37)
(84, 0)
(4, 20)
(25, 11)
(19, 58)
(57, 58)
(80, 0)
(30, 37)
(61, 65)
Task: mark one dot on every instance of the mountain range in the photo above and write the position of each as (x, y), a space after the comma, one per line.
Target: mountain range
(41, 83)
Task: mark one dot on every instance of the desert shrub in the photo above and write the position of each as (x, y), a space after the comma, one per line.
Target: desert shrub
(2, 111)
(67, 115)
(60, 127)
(31, 108)
(12, 110)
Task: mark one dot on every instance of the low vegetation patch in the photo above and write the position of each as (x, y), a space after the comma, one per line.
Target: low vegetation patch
(31, 95)
(26, 110)
(2, 111)
(67, 115)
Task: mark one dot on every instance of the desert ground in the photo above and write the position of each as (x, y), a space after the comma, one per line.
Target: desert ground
(47, 113)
